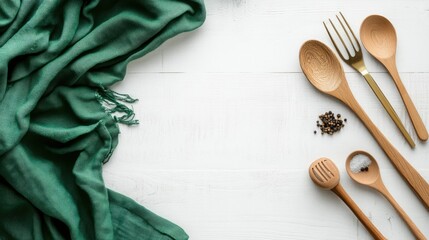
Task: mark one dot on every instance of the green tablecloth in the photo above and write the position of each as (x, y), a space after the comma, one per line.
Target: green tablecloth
(57, 59)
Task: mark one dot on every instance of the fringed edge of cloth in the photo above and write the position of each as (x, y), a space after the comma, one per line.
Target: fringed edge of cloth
(113, 103)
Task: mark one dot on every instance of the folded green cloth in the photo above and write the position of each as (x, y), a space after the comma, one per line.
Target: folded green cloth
(58, 120)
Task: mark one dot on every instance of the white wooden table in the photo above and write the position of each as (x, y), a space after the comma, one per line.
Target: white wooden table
(227, 121)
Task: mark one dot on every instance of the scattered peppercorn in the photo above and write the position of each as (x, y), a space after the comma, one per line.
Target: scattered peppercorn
(330, 123)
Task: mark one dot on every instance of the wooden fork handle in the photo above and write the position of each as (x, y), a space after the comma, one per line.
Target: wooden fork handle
(417, 121)
(339, 190)
(417, 183)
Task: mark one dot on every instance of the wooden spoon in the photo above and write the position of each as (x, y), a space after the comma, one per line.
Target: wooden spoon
(372, 178)
(324, 72)
(325, 174)
(379, 38)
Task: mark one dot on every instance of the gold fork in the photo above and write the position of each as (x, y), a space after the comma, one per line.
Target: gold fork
(356, 62)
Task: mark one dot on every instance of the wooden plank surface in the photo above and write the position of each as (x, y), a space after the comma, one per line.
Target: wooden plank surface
(227, 121)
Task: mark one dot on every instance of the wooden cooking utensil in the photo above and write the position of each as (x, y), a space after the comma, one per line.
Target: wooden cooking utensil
(372, 178)
(354, 58)
(325, 174)
(379, 38)
(324, 71)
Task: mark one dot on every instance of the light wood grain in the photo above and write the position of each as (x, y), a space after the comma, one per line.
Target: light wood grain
(407, 171)
(265, 36)
(220, 109)
(325, 73)
(354, 58)
(372, 177)
(339, 190)
(411, 225)
(379, 38)
(262, 204)
(194, 160)
(202, 121)
(325, 174)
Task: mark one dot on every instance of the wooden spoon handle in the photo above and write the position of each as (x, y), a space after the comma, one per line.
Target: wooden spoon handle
(411, 225)
(417, 121)
(417, 183)
(339, 190)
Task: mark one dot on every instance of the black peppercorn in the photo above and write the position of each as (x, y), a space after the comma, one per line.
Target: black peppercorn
(330, 123)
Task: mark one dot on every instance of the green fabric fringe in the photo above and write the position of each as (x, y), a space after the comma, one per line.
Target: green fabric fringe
(112, 102)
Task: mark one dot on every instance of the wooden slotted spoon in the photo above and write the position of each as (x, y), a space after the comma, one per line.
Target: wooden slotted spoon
(325, 174)
(324, 72)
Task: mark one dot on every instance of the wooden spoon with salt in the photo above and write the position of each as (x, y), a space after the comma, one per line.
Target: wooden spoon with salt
(324, 72)
(371, 177)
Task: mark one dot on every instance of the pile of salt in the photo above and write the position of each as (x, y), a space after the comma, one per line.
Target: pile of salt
(359, 162)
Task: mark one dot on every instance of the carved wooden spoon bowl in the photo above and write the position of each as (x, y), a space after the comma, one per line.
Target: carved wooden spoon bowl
(379, 38)
(325, 174)
(372, 178)
(325, 73)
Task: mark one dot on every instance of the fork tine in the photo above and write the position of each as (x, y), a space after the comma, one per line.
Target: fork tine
(347, 33)
(354, 36)
(333, 42)
(339, 36)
